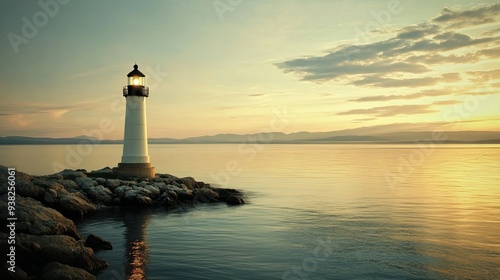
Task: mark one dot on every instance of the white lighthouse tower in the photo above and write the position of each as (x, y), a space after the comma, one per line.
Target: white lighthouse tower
(135, 160)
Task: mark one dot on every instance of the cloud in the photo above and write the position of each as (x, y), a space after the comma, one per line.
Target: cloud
(395, 110)
(479, 16)
(491, 32)
(420, 94)
(403, 59)
(55, 111)
(417, 31)
(387, 111)
(410, 82)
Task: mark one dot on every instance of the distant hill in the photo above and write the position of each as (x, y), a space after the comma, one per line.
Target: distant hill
(362, 135)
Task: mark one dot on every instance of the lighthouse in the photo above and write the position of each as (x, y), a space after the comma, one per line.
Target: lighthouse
(135, 160)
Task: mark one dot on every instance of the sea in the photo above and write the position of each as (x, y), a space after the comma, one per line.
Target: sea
(314, 211)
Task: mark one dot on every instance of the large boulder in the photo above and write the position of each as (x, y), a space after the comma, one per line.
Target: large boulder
(59, 271)
(137, 197)
(69, 174)
(60, 248)
(234, 200)
(85, 183)
(121, 190)
(18, 274)
(4, 175)
(153, 190)
(112, 184)
(181, 192)
(205, 195)
(69, 185)
(76, 205)
(28, 189)
(189, 182)
(104, 172)
(34, 218)
(100, 194)
(97, 243)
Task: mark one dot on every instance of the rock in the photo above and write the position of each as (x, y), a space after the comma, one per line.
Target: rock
(50, 197)
(100, 181)
(205, 195)
(6, 274)
(112, 184)
(104, 172)
(225, 193)
(71, 174)
(69, 185)
(234, 200)
(155, 191)
(121, 190)
(101, 194)
(75, 205)
(19, 175)
(85, 183)
(60, 248)
(27, 189)
(189, 182)
(34, 218)
(52, 177)
(52, 194)
(182, 193)
(97, 243)
(144, 200)
(42, 183)
(58, 271)
(137, 197)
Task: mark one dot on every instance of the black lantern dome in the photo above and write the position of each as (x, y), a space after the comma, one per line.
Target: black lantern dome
(135, 83)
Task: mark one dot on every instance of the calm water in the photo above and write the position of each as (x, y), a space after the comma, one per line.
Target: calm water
(315, 212)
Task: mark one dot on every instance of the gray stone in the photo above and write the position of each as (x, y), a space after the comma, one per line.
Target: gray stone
(97, 243)
(234, 200)
(50, 197)
(131, 194)
(121, 190)
(69, 185)
(71, 174)
(153, 189)
(100, 181)
(18, 274)
(101, 194)
(112, 184)
(189, 182)
(75, 205)
(34, 218)
(205, 195)
(27, 189)
(63, 249)
(85, 183)
(58, 271)
(137, 197)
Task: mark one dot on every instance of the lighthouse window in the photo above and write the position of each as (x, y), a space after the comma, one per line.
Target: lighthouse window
(136, 81)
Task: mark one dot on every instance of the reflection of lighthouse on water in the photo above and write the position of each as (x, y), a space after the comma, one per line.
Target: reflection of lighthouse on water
(136, 245)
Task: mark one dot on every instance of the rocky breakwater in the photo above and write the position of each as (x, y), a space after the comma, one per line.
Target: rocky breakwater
(48, 245)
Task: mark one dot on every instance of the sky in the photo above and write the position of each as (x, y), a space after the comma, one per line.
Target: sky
(249, 66)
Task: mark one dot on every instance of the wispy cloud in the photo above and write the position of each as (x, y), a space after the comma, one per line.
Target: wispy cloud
(395, 110)
(416, 95)
(478, 16)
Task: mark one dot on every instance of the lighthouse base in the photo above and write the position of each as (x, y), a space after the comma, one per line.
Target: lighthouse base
(144, 170)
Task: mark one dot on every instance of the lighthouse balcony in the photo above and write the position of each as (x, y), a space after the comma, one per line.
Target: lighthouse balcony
(137, 91)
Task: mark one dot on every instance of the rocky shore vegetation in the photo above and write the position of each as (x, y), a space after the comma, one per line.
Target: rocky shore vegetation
(47, 242)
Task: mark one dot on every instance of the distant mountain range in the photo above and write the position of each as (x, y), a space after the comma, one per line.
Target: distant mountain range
(360, 135)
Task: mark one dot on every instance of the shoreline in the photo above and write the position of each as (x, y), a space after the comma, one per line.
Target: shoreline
(47, 242)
